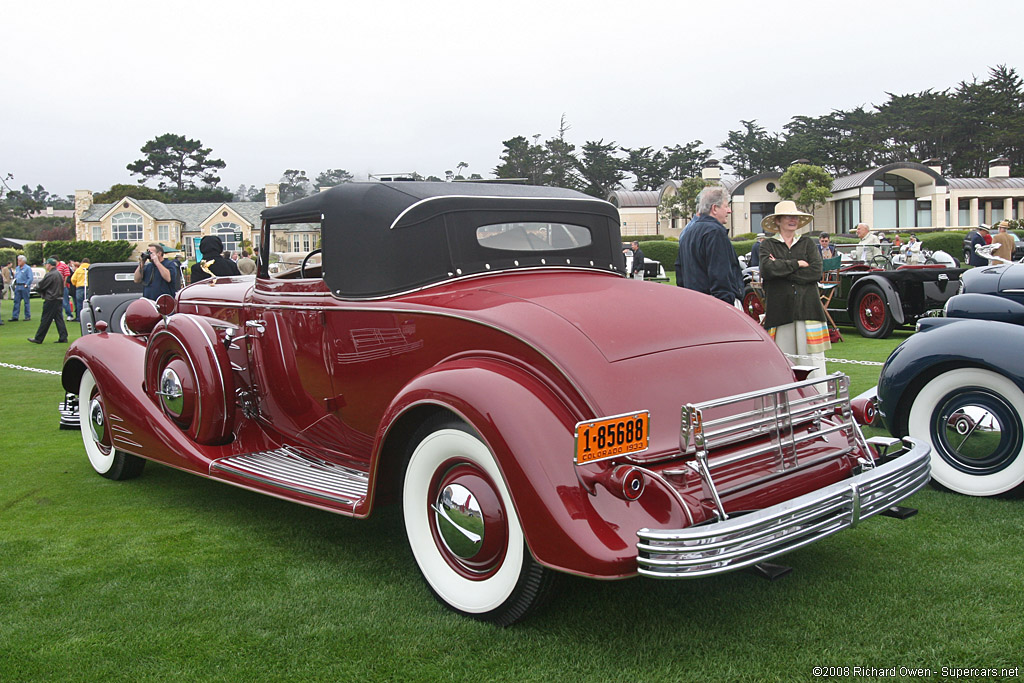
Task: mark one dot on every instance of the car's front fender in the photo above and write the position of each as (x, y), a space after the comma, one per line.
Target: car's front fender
(892, 297)
(960, 343)
(530, 431)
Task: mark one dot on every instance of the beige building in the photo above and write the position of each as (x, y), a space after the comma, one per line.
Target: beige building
(638, 211)
(898, 196)
(181, 225)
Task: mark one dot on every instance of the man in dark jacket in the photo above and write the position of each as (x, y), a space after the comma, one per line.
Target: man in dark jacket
(754, 258)
(637, 270)
(707, 262)
(51, 288)
(977, 239)
(212, 260)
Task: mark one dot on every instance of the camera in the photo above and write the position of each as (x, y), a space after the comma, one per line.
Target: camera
(144, 256)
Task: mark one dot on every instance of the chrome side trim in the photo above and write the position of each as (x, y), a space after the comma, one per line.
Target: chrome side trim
(470, 196)
(290, 469)
(411, 310)
(745, 540)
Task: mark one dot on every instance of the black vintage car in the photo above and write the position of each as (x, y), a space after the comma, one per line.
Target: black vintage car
(877, 300)
(111, 287)
(959, 384)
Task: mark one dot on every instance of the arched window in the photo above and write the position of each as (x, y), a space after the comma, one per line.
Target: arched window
(895, 204)
(226, 231)
(890, 182)
(126, 225)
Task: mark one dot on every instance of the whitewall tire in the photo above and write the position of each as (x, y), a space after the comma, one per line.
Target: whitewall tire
(972, 418)
(463, 529)
(104, 458)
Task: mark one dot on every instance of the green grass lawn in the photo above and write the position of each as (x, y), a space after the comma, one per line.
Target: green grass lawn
(171, 577)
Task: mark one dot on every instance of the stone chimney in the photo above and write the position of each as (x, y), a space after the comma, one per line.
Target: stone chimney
(273, 191)
(933, 164)
(711, 170)
(83, 202)
(999, 168)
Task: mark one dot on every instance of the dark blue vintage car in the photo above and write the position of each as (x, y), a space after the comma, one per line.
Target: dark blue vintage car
(959, 384)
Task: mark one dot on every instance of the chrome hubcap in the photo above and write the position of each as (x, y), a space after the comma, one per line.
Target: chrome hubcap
(170, 391)
(460, 521)
(96, 420)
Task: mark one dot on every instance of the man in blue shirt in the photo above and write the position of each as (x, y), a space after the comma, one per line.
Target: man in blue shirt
(156, 273)
(22, 287)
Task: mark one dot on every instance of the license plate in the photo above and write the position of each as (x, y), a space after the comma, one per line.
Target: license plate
(609, 437)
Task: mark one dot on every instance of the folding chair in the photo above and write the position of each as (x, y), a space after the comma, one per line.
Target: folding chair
(827, 287)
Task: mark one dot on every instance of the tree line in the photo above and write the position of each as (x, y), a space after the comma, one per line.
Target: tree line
(964, 127)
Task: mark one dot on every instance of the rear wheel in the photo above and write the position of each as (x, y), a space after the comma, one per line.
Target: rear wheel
(871, 313)
(96, 435)
(752, 304)
(972, 420)
(464, 531)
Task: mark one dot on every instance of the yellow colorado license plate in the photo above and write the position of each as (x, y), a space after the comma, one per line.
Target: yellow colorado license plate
(609, 437)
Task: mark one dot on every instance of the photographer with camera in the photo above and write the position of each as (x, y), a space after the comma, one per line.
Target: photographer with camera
(156, 273)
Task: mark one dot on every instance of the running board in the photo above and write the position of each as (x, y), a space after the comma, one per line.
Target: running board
(289, 471)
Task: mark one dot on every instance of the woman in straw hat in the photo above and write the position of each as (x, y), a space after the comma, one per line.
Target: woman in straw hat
(790, 271)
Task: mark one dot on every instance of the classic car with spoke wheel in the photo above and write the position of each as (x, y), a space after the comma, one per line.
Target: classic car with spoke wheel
(457, 349)
(877, 300)
(958, 384)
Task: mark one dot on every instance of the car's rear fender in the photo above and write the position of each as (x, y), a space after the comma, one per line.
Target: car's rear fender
(530, 431)
(892, 297)
(940, 347)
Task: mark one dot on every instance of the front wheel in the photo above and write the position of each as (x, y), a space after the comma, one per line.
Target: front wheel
(96, 435)
(464, 531)
(972, 419)
(871, 313)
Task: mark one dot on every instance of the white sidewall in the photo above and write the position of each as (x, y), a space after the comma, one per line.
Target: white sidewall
(99, 461)
(475, 597)
(919, 426)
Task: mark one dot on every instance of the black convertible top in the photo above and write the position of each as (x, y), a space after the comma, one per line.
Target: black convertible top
(380, 239)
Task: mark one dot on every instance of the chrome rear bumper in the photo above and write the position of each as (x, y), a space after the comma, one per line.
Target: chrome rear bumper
(745, 540)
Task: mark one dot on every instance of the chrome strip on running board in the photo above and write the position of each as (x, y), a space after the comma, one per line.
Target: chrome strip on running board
(291, 470)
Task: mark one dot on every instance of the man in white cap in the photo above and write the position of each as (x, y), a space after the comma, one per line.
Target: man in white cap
(979, 237)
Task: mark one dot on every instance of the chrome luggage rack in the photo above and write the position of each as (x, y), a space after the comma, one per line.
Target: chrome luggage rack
(776, 413)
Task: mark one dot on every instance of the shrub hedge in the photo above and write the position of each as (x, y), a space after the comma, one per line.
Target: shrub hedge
(8, 255)
(950, 242)
(663, 251)
(97, 252)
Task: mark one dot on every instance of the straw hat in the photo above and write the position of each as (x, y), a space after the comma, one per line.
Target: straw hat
(786, 208)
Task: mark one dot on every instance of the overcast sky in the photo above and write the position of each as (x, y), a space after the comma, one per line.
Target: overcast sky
(384, 87)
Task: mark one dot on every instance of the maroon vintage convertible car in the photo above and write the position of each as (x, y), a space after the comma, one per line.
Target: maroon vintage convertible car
(475, 353)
